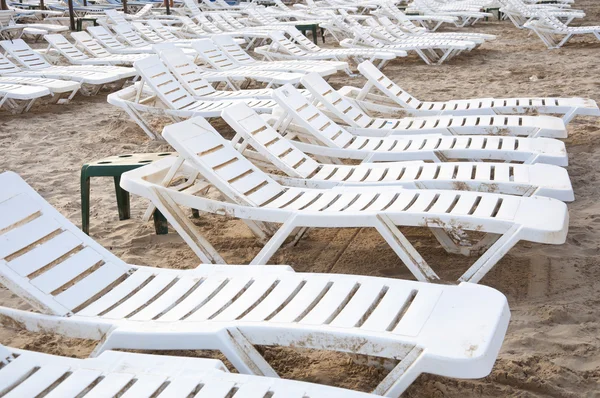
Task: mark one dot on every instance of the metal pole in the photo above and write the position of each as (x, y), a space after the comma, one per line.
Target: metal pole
(124, 6)
(71, 15)
(42, 5)
(168, 7)
(3, 5)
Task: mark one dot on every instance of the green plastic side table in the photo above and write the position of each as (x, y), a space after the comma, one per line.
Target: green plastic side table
(79, 23)
(313, 28)
(115, 166)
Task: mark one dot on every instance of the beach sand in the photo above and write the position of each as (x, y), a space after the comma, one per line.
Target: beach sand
(552, 347)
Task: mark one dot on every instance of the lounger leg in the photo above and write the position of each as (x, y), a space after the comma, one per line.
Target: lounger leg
(404, 249)
(485, 263)
(275, 242)
(242, 354)
(447, 242)
(133, 114)
(402, 376)
(203, 249)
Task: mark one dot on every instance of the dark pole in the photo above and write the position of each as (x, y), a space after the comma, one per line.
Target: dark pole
(3, 5)
(71, 15)
(168, 7)
(42, 6)
(124, 6)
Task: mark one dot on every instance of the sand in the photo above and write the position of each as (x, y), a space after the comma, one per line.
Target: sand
(553, 343)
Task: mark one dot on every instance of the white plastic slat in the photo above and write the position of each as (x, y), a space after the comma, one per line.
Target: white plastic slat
(38, 382)
(419, 311)
(74, 384)
(364, 298)
(383, 315)
(180, 288)
(282, 292)
(110, 385)
(16, 209)
(67, 270)
(215, 389)
(330, 303)
(254, 293)
(224, 297)
(145, 386)
(179, 388)
(309, 292)
(15, 371)
(23, 236)
(196, 298)
(253, 390)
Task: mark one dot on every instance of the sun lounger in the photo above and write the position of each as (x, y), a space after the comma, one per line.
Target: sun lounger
(554, 33)
(381, 94)
(453, 331)
(19, 98)
(345, 110)
(28, 374)
(304, 171)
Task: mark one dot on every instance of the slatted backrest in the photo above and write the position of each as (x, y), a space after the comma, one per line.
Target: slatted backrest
(115, 17)
(311, 118)
(232, 21)
(268, 142)
(130, 36)
(103, 36)
(360, 31)
(233, 50)
(286, 45)
(65, 48)
(335, 102)
(144, 11)
(89, 44)
(297, 36)
(223, 4)
(209, 52)
(156, 75)
(146, 32)
(387, 86)
(162, 30)
(23, 54)
(282, 6)
(186, 71)
(261, 18)
(6, 66)
(210, 5)
(207, 24)
(191, 25)
(191, 5)
(46, 259)
(220, 22)
(6, 17)
(218, 161)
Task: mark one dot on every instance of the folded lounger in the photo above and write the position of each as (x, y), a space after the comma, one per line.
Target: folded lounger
(160, 93)
(381, 94)
(255, 197)
(323, 136)
(29, 374)
(84, 291)
(303, 171)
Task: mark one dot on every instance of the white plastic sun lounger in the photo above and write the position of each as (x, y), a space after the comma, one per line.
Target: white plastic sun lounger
(335, 141)
(258, 199)
(283, 48)
(304, 171)
(126, 32)
(240, 58)
(30, 59)
(381, 94)
(19, 98)
(112, 44)
(99, 56)
(28, 374)
(345, 110)
(520, 13)
(191, 78)
(430, 22)
(453, 331)
(160, 93)
(554, 33)
(70, 80)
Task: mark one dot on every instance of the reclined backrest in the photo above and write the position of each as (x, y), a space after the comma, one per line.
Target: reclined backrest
(186, 71)
(25, 55)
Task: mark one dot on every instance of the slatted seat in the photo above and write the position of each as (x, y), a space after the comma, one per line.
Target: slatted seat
(259, 198)
(112, 44)
(99, 55)
(381, 94)
(84, 291)
(63, 91)
(19, 98)
(303, 171)
(27, 374)
(343, 109)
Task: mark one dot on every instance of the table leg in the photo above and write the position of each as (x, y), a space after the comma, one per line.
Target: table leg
(123, 202)
(85, 200)
(314, 33)
(160, 223)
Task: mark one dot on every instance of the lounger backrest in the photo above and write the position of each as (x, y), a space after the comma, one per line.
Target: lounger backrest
(233, 50)
(161, 30)
(115, 17)
(186, 71)
(130, 36)
(6, 66)
(207, 24)
(89, 44)
(65, 48)
(286, 44)
(232, 21)
(262, 18)
(311, 118)
(209, 52)
(267, 141)
(220, 163)
(387, 86)
(191, 25)
(191, 5)
(359, 30)
(45, 258)
(23, 54)
(297, 36)
(144, 11)
(220, 22)
(156, 75)
(223, 4)
(147, 33)
(282, 5)
(6, 17)
(335, 102)
(106, 38)
(210, 4)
